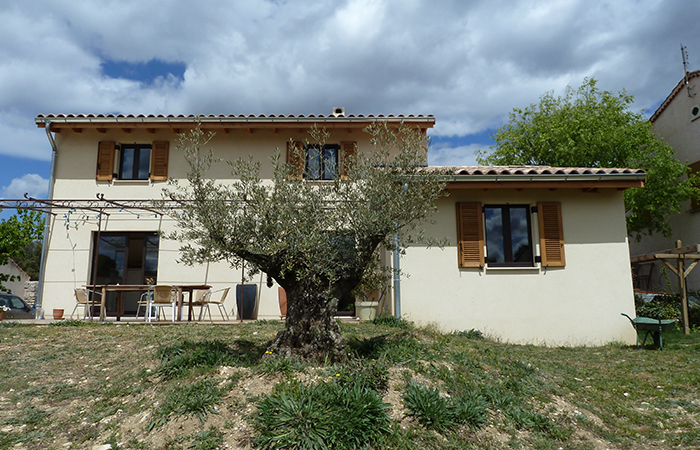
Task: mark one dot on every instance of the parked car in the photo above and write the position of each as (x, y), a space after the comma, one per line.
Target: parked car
(18, 308)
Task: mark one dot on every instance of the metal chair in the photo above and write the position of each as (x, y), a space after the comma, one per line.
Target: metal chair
(207, 300)
(163, 296)
(82, 298)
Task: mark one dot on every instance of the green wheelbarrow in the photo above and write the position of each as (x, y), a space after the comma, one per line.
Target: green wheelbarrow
(653, 327)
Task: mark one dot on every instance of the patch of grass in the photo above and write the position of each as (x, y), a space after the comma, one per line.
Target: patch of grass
(470, 334)
(194, 357)
(273, 365)
(441, 413)
(198, 399)
(211, 439)
(391, 321)
(370, 374)
(320, 416)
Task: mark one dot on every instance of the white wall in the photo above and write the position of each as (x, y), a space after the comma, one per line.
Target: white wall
(579, 304)
(69, 242)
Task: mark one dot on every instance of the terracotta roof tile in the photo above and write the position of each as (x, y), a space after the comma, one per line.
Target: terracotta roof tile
(533, 170)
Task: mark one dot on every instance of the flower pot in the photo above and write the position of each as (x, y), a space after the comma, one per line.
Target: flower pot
(57, 314)
(2, 315)
(366, 310)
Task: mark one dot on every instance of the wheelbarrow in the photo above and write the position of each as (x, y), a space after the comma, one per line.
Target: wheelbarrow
(653, 327)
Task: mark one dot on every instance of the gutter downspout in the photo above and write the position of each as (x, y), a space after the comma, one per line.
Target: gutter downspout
(397, 270)
(47, 227)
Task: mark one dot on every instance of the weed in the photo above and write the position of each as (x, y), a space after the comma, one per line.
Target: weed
(371, 374)
(280, 365)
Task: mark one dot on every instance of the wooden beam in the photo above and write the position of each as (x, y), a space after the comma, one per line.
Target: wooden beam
(126, 130)
(76, 129)
(151, 130)
(101, 130)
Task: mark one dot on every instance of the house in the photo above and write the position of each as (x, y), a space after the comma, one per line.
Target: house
(535, 254)
(677, 122)
(18, 276)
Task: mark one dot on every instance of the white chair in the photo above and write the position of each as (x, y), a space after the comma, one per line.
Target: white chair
(144, 301)
(82, 298)
(219, 300)
(163, 296)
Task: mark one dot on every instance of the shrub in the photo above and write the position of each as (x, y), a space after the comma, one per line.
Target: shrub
(391, 321)
(320, 416)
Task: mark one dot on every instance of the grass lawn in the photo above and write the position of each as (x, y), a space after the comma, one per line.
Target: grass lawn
(197, 386)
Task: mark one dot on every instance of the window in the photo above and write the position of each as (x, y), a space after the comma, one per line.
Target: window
(508, 241)
(314, 162)
(135, 161)
(321, 162)
(505, 232)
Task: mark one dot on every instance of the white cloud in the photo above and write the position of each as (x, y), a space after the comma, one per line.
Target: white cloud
(31, 183)
(467, 63)
(463, 155)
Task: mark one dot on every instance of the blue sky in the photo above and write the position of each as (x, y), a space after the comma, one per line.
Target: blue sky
(467, 63)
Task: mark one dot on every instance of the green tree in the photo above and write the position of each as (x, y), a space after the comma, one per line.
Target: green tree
(318, 240)
(588, 127)
(16, 234)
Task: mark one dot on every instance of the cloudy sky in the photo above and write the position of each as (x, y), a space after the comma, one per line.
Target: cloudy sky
(467, 62)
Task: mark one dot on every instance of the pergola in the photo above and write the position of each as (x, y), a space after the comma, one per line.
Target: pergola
(675, 259)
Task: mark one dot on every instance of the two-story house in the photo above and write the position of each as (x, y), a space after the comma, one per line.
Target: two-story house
(535, 254)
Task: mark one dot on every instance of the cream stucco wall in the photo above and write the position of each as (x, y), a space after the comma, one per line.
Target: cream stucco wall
(70, 235)
(681, 130)
(579, 304)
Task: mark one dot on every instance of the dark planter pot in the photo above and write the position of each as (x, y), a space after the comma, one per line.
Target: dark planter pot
(246, 303)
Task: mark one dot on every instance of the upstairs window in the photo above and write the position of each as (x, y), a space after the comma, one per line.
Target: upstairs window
(134, 162)
(322, 162)
(315, 162)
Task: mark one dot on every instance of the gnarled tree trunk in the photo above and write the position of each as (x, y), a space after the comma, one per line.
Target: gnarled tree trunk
(311, 332)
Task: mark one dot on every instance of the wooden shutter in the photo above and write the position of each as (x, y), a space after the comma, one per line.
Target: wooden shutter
(295, 158)
(348, 155)
(105, 161)
(470, 234)
(159, 160)
(551, 234)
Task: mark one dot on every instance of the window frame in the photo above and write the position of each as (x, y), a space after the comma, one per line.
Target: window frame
(138, 157)
(323, 160)
(507, 235)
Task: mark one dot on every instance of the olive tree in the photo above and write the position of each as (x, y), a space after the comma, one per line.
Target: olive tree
(318, 240)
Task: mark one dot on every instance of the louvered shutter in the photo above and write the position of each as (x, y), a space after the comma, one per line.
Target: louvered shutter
(295, 158)
(470, 234)
(348, 155)
(105, 161)
(159, 160)
(551, 234)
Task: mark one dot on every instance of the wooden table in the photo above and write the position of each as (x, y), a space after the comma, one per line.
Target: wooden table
(119, 288)
(189, 288)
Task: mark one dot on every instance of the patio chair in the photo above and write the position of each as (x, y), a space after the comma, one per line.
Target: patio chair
(82, 298)
(163, 296)
(144, 301)
(218, 301)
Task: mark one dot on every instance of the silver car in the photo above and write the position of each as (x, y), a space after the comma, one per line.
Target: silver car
(18, 308)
